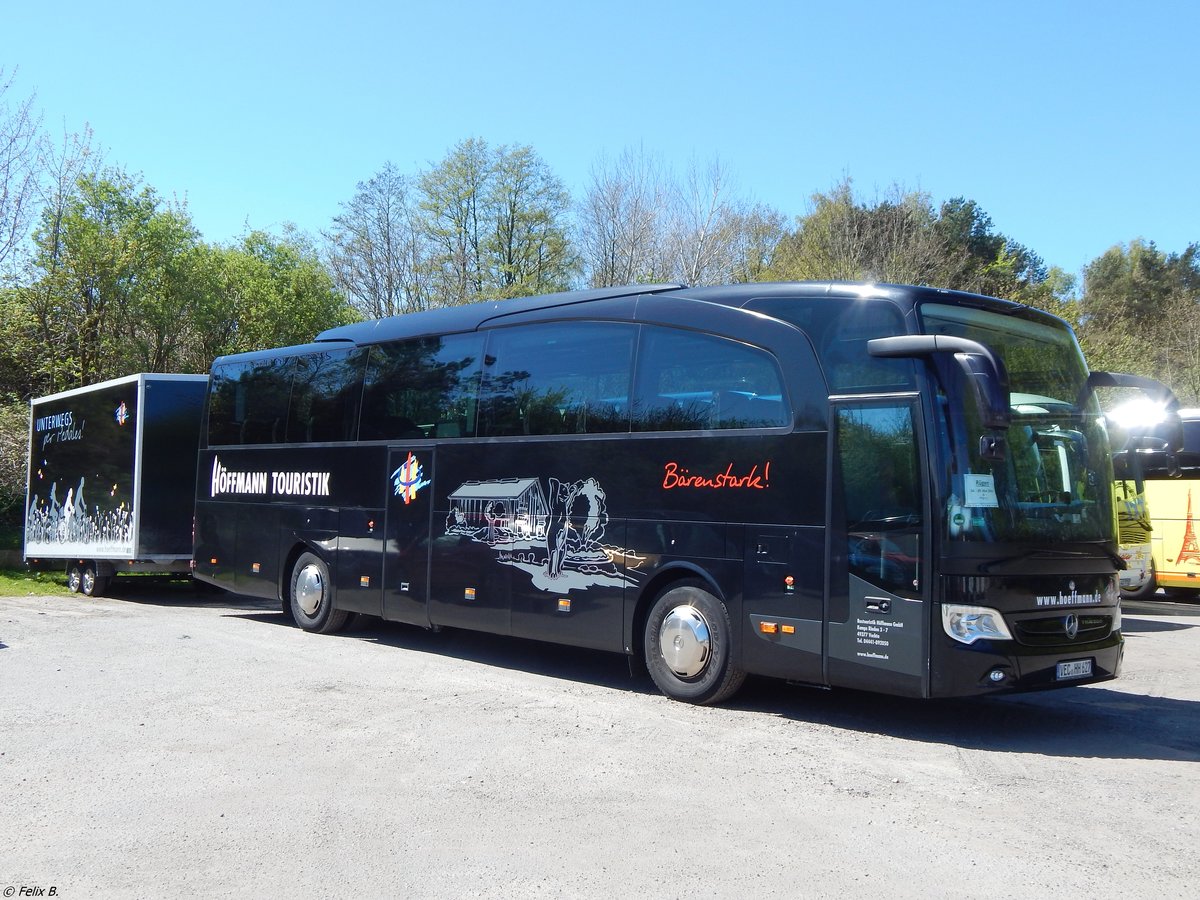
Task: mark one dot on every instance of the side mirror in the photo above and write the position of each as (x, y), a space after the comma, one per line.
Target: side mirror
(983, 369)
(1165, 435)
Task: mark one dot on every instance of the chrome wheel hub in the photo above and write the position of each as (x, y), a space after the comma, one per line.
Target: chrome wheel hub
(310, 590)
(683, 640)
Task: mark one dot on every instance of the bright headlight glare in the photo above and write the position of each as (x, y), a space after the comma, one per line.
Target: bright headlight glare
(972, 623)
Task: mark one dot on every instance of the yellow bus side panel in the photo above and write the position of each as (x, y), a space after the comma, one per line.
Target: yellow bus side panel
(1174, 508)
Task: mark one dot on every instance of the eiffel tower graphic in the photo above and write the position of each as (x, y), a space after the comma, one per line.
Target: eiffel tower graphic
(1189, 550)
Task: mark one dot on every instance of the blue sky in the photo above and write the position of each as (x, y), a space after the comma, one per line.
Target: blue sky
(1074, 125)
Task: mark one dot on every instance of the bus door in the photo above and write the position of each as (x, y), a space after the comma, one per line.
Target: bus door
(406, 546)
(879, 547)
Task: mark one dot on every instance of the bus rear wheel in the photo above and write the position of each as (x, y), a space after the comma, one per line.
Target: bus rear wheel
(310, 595)
(687, 646)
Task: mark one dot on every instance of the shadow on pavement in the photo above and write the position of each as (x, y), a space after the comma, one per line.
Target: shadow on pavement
(1082, 722)
(154, 590)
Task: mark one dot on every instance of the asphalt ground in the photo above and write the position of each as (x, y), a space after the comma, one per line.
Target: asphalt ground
(162, 743)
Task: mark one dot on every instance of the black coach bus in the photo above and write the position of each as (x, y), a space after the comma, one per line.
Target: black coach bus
(898, 489)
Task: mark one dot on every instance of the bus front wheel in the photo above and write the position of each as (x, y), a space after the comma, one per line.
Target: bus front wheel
(687, 646)
(311, 596)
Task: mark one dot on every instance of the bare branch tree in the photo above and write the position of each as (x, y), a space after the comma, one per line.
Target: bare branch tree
(621, 221)
(716, 236)
(377, 250)
(19, 129)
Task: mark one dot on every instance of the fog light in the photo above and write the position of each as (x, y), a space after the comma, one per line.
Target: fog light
(996, 676)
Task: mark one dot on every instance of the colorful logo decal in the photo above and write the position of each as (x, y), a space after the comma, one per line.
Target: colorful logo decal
(408, 479)
(122, 414)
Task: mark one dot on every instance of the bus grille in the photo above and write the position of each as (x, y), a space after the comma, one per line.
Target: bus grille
(1047, 631)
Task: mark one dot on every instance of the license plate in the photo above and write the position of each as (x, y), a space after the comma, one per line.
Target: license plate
(1078, 668)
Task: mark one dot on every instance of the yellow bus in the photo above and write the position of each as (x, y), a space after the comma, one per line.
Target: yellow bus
(1158, 505)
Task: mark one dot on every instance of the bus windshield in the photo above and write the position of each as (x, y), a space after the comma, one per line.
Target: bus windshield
(1053, 481)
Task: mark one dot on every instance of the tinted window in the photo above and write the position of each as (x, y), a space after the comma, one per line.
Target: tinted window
(325, 395)
(881, 481)
(249, 402)
(839, 329)
(562, 378)
(422, 389)
(689, 381)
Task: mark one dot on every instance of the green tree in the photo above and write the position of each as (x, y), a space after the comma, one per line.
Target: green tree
(275, 292)
(123, 283)
(1139, 312)
(528, 247)
(903, 238)
(497, 222)
(846, 239)
(94, 256)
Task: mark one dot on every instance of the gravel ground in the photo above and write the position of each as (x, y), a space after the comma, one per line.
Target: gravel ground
(166, 744)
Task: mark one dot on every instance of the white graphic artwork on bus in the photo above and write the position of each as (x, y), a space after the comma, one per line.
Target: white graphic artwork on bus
(555, 537)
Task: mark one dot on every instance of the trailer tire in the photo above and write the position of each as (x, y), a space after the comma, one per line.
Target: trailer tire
(310, 596)
(74, 578)
(91, 583)
(687, 644)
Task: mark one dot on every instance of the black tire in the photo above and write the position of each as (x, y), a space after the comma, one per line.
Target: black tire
(1146, 591)
(687, 645)
(310, 596)
(92, 584)
(74, 578)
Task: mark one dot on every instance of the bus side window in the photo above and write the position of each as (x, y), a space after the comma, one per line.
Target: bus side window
(268, 393)
(325, 396)
(226, 404)
(568, 378)
(688, 381)
(423, 388)
(249, 402)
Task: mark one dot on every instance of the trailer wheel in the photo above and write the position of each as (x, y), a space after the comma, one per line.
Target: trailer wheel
(310, 596)
(687, 646)
(74, 578)
(91, 584)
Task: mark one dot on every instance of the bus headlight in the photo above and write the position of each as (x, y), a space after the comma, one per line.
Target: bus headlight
(972, 623)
